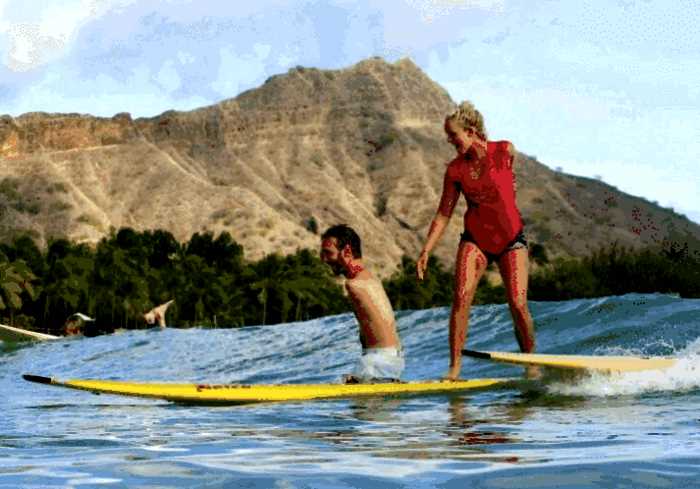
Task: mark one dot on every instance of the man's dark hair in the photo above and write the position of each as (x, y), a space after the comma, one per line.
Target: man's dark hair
(345, 236)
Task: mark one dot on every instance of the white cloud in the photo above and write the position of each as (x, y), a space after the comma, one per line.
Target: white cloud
(237, 71)
(41, 34)
(185, 57)
(168, 77)
(429, 10)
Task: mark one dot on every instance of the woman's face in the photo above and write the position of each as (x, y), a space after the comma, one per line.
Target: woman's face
(459, 137)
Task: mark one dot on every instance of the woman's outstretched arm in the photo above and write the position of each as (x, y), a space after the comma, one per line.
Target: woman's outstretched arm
(448, 201)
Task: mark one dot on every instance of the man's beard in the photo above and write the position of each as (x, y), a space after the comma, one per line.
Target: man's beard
(337, 269)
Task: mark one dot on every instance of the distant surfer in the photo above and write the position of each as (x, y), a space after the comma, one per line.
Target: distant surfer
(482, 171)
(382, 356)
(75, 324)
(157, 314)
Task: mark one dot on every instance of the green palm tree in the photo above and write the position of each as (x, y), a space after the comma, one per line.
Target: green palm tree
(15, 278)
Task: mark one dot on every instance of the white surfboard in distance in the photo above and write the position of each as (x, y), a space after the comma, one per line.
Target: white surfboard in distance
(11, 334)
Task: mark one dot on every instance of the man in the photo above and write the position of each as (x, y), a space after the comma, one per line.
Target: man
(382, 357)
(157, 314)
(75, 324)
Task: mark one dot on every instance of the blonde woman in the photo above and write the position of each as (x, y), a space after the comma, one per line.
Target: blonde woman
(482, 171)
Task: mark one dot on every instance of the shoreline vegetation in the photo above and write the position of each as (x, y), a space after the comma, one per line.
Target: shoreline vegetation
(129, 272)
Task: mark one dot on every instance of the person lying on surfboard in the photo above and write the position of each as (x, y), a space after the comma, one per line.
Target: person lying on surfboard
(482, 171)
(157, 314)
(382, 356)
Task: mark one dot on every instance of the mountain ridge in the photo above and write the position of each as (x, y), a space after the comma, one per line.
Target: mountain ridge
(277, 164)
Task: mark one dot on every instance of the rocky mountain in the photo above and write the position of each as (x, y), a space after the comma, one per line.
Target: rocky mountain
(278, 164)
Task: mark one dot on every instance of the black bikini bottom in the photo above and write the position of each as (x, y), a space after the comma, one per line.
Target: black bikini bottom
(518, 242)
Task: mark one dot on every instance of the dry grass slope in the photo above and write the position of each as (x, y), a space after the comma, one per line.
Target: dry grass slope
(307, 149)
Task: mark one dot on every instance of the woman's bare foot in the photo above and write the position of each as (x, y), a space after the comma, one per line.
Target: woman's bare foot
(453, 373)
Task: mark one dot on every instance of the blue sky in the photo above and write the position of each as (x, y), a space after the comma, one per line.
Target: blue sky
(607, 89)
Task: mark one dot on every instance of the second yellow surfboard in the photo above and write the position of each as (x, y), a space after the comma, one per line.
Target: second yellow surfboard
(583, 362)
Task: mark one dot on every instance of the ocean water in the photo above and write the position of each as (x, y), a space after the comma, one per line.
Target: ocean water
(638, 430)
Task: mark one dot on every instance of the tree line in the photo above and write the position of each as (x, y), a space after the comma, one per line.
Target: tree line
(129, 272)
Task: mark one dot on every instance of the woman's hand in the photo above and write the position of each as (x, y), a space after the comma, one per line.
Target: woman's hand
(437, 227)
(421, 265)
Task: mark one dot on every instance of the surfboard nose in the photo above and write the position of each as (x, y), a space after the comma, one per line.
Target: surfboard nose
(37, 378)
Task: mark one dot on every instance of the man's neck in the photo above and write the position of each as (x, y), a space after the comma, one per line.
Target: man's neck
(354, 268)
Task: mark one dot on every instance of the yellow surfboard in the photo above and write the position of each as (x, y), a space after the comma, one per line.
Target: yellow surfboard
(252, 393)
(582, 362)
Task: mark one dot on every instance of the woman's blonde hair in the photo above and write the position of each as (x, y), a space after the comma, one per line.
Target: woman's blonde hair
(468, 117)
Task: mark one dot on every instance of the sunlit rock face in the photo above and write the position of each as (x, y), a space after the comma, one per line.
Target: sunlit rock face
(277, 165)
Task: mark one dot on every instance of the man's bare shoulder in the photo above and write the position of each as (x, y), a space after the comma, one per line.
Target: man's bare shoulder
(363, 279)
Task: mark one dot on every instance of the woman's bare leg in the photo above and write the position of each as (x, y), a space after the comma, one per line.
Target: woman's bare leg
(469, 268)
(514, 268)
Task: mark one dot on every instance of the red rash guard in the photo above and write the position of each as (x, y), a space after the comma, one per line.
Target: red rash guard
(492, 218)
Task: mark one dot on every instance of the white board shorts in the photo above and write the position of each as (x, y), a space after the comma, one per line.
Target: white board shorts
(379, 363)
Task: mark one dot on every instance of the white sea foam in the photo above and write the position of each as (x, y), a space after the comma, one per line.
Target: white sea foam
(683, 376)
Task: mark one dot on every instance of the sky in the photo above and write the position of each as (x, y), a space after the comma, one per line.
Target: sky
(599, 88)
